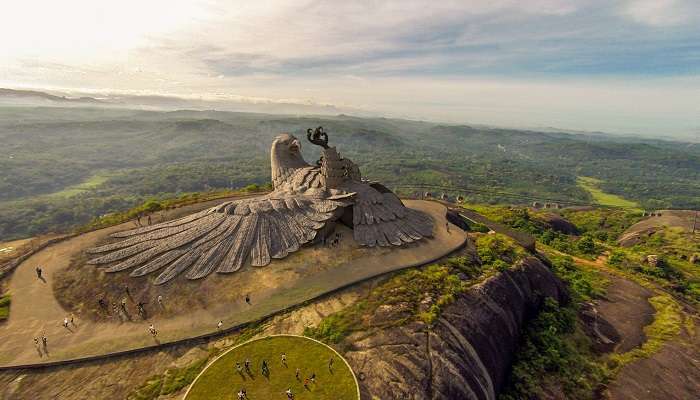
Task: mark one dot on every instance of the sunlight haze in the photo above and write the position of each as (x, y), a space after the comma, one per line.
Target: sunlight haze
(623, 67)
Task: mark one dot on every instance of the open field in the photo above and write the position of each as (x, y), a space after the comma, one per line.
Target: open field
(220, 380)
(602, 198)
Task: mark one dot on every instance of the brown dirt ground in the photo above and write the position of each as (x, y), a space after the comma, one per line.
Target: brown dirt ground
(116, 378)
(191, 307)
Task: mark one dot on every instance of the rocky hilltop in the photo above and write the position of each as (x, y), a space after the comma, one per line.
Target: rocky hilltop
(467, 352)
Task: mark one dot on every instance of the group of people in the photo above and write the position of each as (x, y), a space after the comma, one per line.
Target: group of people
(265, 370)
(42, 348)
(121, 311)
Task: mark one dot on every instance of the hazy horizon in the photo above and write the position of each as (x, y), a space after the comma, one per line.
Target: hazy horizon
(630, 67)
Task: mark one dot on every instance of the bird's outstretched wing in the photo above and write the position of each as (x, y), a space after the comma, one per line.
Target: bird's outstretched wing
(380, 219)
(219, 239)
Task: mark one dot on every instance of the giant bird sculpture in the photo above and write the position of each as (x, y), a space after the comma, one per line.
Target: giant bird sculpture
(305, 203)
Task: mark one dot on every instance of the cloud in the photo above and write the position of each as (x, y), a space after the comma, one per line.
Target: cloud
(387, 56)
(662, 13)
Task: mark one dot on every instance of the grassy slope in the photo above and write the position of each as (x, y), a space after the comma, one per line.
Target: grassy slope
(222, 381)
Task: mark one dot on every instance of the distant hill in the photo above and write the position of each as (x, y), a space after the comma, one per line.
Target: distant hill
(29, 97)
(65, 165)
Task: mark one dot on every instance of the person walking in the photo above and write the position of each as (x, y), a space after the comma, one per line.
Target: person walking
(241, 394)
(219, 325)
(152, 330)
(330, 363)
(284, 359)
(296, 373)
(38, 272)
(247, 364)
(247, 298)
(290, 395)
(160, 301)
(72, 319)
(44, 341)
(65, 322)
(239, 369)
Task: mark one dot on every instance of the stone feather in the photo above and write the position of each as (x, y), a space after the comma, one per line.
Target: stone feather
(257, 230)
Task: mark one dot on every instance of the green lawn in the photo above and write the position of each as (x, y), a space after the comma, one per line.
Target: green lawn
(602, 198)
(221, 380)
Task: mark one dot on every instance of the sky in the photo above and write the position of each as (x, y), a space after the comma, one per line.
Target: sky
(626, 66)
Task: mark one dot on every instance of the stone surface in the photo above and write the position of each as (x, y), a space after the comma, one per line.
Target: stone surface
(468, 352)
(305, 199)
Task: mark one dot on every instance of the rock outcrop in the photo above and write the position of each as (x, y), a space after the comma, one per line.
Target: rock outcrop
(560, 224)
(468, 351)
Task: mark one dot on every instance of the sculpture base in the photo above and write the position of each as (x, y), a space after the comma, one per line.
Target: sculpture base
(190, 308)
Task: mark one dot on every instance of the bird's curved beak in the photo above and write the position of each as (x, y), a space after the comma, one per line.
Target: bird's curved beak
(295, 146)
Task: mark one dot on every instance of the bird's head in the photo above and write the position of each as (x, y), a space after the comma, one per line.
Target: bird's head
(285, 155)
(287, 145)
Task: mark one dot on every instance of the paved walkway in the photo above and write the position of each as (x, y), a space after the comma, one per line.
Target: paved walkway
(35, 311)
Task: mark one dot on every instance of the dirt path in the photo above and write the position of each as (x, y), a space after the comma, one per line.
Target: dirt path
(35, 311)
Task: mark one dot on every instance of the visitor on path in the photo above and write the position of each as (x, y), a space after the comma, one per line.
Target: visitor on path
(38, 272)
(284, 359)
(242, 395)
(36, 342)
(141, 309)
(65, 322)
(313, 377)
(160, 301)
(126, 290)
(330, 363)
(239, 368)
(219, 325)
(149, 219)
(247, 364)
(101, 302)
(447, 226)
(296, 374)
(247, 298)
(124, 304)
(306, 383)
(44, 342)
(264, 368)
(152, 330)
(290, 395)
(72, 319)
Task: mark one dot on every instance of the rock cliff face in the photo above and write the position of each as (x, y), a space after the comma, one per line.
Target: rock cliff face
(467, 353)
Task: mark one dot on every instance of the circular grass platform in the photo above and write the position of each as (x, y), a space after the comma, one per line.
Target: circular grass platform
(221, 379)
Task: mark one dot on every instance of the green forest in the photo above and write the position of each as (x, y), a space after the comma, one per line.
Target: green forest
(63, 167)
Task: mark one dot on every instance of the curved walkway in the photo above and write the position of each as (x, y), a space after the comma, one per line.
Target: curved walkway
(35, 311)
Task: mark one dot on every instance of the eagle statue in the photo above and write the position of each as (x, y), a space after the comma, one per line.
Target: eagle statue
(303, 207)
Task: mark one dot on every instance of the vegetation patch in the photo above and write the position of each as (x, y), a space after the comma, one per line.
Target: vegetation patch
(554, 348)
(667, 324)
(414, 294)
(592, 186)
(5, 301)
(222, 380)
